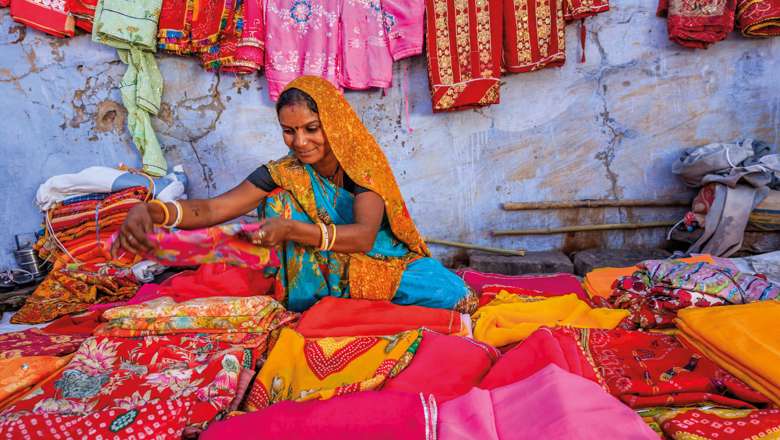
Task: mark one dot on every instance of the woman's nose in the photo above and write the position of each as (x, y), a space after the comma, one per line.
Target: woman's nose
(299, 140)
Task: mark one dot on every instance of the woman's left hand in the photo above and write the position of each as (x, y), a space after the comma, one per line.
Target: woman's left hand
(272, 232)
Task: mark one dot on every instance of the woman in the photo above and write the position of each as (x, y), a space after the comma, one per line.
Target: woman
(332, 209)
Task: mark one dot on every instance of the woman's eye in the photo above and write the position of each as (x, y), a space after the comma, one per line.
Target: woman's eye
(312, 129)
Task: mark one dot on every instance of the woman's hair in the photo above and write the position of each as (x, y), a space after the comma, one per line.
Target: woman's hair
(295, 96)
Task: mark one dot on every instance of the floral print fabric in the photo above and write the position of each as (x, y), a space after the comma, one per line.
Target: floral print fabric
(118, 377)
(35, 342)
(218, 244)
(302, 369)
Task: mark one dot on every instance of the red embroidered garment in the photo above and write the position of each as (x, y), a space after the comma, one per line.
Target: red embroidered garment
(758, 18)
(83, 12)
(719, 423)
(534, 35)
(173, 29)
(581, 9)
(49, 16)
(35, 342)
(464, 52)
(241, 47)
(698, 23)
(117, 377)
(648, 369)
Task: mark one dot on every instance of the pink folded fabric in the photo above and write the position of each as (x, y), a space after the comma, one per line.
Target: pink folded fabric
(369, 415)
(551, 404)
(445, 366)
(544, 347)
(558, 283)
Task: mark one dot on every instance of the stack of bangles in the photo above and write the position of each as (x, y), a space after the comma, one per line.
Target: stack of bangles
(328, 240)
(167, 214)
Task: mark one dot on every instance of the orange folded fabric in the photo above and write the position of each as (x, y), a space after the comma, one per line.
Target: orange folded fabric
(333, 316)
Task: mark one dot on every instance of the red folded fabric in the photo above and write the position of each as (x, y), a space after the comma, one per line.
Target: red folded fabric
(650, 369)
(51, 17)
(445, 366)
(333, 316)
(370, 415)
(545, 346)
(758, 18)
(552, 284)
(697, 24)
(79, 325)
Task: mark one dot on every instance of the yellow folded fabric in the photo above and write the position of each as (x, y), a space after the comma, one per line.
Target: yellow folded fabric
(504, 323)
(743, 339)
(598, 282)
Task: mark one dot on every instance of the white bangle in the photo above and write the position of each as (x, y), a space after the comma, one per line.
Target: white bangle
(179, 214)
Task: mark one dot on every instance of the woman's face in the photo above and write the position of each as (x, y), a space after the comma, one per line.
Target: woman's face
(302, 132)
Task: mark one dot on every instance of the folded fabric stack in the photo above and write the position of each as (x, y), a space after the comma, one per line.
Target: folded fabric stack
(227, 36)
(660, 288)
(698, 24)
(742, 339)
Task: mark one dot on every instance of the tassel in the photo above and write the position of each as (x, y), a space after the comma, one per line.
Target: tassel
(583, 35)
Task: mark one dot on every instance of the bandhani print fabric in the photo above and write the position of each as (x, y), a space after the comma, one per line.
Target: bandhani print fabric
(645, 370)
(217, 244)
(464, 52)
(35, 342)
(758, 18)
(720, 423)
(110, 381)
(302, 369)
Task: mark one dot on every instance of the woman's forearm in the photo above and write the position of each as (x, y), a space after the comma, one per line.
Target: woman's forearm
(195, 214)
(349, 238)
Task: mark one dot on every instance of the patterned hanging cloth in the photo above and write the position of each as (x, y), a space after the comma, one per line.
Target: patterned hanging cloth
(758, 18)
(534, 34)
(698, 24)
(464, 53)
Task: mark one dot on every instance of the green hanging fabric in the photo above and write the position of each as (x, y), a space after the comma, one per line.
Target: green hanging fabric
(131, 27)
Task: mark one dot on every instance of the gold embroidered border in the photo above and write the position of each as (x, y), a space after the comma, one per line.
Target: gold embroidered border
(484, 39)
(523, 36)
(443, 54)
(463, 39)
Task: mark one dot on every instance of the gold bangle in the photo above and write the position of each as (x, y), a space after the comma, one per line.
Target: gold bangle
(324, 234)
(179, 214)
(333, 237)
(165, 211)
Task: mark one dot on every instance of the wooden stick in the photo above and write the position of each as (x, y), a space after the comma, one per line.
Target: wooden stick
(458, 244)
(592, 204)
(584, 228)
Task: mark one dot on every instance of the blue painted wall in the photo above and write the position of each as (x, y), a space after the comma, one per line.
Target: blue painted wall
(606, 128)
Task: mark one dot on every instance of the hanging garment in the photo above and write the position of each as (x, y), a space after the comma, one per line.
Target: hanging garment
(404, 21)
(649, 369)
(36, 342)
(558, 346)
(50, 16)
(398, 266)
(302, 38)
(365, 55)
(758, 18)
(83, 12)
(242, 49)
(304, 369)
(332, 316)
(534, 34)
(698, 24)
(445, 366)
(217, 244)
(742, 339)
(219, 314)
(111, 380)
(550, 404)
(720, 423)
(464, 53)
(131, 28)
(174, 26)
(368, 415)
(503, 324)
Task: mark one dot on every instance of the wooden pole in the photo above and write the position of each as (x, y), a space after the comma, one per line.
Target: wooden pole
(527, 206)
(519, 253)
(583, 228)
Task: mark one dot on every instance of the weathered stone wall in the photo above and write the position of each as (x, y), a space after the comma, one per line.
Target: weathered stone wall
(607, 128)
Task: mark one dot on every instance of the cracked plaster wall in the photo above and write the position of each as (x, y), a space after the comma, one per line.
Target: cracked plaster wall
(607, 128)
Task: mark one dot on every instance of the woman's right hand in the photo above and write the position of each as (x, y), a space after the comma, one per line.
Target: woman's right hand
(133, 233)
